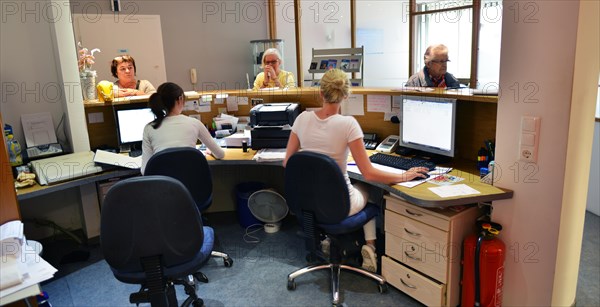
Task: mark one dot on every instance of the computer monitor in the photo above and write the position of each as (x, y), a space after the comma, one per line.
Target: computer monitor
(427, 126)
(130, 122)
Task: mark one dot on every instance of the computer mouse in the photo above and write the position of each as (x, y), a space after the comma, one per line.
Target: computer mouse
(421, 178)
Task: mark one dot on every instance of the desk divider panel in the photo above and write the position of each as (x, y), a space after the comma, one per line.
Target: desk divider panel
(476, 115)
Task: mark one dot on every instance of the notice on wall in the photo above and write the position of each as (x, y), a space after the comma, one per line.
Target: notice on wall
(379, 103)
(353, 105)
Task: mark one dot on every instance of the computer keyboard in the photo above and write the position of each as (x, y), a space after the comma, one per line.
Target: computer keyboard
(400, 162)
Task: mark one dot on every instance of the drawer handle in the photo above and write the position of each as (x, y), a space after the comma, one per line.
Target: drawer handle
(412, 257)
(414, 234)
(408, 285)
(413, 213)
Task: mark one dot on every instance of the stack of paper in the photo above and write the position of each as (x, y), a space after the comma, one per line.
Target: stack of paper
(21, 266)
(11, 240)
(270, 155)
(107, 157)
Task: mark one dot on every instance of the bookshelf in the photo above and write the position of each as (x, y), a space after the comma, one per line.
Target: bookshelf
(350, 60)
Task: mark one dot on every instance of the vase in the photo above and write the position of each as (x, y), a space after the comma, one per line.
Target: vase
(88, 84)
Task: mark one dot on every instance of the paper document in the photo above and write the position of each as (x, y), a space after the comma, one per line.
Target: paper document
(414, 88)
(454, 190)
(38, 129)
(351, 167)
(112, 158)
(270, 155)
(34, 270)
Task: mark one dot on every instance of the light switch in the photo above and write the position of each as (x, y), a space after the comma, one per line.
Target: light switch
(530, 123)
(528, 139)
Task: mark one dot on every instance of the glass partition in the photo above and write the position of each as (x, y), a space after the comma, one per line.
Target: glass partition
(382, 28)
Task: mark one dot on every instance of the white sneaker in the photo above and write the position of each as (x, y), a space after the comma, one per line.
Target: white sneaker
(369, 258)
(325, 247)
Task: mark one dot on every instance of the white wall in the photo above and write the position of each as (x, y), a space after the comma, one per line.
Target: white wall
(540, 59)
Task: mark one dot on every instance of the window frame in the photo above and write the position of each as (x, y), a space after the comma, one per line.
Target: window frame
(413, 15)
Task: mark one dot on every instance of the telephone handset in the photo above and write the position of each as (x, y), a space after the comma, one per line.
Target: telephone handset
(193, 76)
(370, 140)
(389, 144)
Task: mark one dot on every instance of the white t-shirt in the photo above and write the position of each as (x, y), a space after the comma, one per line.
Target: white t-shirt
(331, 137)
(177, 131)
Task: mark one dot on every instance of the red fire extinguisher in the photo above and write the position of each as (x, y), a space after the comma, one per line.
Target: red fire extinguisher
(483, 267)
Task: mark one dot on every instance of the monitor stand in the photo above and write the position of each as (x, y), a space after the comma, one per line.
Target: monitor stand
(435, 158)
(124, 148)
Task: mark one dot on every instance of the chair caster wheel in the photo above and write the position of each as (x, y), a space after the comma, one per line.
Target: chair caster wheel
(291, 285)
(198, 303)
(199, 276)
(228, 262)
(383, 288)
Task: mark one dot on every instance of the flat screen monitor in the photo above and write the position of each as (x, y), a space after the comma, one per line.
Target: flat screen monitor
(130, 123)
(427, 125)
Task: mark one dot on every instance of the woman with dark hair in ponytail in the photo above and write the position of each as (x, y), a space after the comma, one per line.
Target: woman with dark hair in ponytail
(171, 128)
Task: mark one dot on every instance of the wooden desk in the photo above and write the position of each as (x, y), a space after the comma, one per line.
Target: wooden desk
(430, 216)
(238, 167)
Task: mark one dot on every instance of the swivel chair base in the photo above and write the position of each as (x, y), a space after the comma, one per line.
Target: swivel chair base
(227, 261)
(335, 277)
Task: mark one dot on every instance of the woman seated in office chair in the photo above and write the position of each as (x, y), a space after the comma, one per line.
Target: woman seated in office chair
(272, 76)
(328, 132)
(171, 128)
(123, 68)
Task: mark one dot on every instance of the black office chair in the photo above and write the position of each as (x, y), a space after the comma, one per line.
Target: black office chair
(189, 166)
(152, 234)
(317, 193)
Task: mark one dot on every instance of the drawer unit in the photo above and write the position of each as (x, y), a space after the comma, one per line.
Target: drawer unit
(423, 249)
(428, 262)
(412, 283)
(426, 236)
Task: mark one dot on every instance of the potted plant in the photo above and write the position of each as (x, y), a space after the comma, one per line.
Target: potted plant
(86, 74)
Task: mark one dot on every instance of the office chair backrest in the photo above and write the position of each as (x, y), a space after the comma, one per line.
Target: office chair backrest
(314, 182)
(148, 216)
(187, 165)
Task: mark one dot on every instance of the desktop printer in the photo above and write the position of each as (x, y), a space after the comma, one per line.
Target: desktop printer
(272, 123)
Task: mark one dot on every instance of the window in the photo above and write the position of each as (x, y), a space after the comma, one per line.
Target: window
(392, 51)
(444, 22)
(382, 28)
(490, 34)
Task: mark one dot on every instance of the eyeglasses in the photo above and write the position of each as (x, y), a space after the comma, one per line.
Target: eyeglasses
(440, 61)
(271, 62)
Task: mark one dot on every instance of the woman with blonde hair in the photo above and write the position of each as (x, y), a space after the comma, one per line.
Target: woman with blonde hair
(328, 132)
(272, 76)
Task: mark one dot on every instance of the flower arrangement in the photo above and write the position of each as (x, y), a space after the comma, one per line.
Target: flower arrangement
(86, 58)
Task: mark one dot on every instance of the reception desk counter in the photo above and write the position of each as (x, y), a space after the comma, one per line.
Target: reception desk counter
(476, 114)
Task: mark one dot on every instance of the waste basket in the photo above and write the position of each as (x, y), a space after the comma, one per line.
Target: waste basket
(243, 192)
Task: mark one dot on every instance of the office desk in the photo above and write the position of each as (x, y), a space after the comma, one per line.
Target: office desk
(238, 167)
(417, 209)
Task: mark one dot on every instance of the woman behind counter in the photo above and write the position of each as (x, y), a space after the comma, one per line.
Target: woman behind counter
(272, 75)
(123, 68)
(171, 128)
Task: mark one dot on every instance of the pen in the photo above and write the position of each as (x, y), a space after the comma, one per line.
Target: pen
(351, 163)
